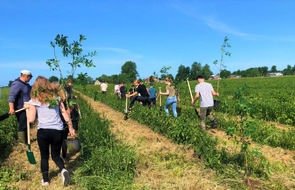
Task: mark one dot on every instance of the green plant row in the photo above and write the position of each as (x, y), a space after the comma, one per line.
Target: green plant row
(105, 162)
(185, 130)
(259, 131)
(263, 133)
(8, 127)
(270, 99)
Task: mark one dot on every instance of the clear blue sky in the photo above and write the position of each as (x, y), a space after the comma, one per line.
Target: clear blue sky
(151, 33)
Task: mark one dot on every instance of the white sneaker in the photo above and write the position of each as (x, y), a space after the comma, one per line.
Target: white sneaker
(65, 177)
(44, 183)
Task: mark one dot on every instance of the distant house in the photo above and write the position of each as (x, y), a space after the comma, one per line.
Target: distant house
(234, 76)
(147, 80)
(214, 77)
(277, 74)
(97, 82)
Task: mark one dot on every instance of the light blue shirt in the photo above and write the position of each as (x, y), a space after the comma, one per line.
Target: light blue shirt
(48, 118)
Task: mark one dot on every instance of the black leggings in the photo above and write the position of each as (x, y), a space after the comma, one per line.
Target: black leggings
(145, 100)
(53, 139)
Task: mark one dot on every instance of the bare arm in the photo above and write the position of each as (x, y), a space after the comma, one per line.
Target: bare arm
(196, 97)
(67, 119)
(11, 108)
(165, 93)
(30, 111)
(130, 95)
(215, 93)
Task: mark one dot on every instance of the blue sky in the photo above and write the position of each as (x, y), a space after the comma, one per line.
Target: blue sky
(151, 33)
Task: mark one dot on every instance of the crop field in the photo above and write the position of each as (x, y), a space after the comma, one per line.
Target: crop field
(256, 121)
(252, 148)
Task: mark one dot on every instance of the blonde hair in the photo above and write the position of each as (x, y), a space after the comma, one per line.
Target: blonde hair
(43, 91)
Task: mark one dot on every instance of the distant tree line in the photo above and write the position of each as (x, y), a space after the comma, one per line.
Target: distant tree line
(129, 73)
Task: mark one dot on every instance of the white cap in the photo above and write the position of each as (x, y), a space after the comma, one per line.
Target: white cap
(26, 72)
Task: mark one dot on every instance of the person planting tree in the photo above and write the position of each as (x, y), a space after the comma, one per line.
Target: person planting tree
(205, 92)
(143, 98)
(46, 102)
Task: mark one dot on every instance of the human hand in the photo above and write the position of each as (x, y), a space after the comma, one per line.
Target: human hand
(26, 105)
(11, 111)
(72, 132)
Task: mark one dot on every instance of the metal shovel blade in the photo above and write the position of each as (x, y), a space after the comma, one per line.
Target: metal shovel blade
(126, 115)
(30, 155)
(4, 116)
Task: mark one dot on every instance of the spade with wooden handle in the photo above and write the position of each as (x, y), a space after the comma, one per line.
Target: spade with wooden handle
(126, 111)
(30, 154)
(190, 91)
(160, 97)
(5, 116)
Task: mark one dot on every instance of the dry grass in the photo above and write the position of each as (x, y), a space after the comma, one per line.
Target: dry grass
(31, 175)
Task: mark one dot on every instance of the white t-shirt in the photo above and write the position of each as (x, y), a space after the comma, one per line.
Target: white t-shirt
(205, 89)
(48, 118)
(117, 90)
(103, 87)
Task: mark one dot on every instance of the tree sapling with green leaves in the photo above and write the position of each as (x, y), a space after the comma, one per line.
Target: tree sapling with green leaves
(74, 51)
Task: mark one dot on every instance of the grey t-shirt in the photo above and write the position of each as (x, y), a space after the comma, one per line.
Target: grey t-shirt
(205, 89)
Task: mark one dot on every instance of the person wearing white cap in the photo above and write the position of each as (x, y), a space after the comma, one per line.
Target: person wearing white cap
(19, 93)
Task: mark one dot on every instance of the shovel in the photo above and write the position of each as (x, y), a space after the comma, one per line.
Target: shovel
(126, 111)
(30, 154)
(190, 91)
(5, 116)
(160, 97)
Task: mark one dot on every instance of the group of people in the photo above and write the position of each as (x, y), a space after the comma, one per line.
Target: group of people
(147, 96)
(50, 102)
(120, 90)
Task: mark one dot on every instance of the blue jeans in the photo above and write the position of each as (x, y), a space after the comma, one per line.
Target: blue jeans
(171, 101)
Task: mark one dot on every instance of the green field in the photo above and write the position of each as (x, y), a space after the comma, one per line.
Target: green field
(255, 139)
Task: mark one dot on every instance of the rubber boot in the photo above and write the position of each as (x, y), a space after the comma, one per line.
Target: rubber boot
(22, 137)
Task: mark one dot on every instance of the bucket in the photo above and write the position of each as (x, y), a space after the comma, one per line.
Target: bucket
(216, 103)
(73, 144)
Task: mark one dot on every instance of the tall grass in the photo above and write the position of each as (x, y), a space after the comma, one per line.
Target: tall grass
(106, 162)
